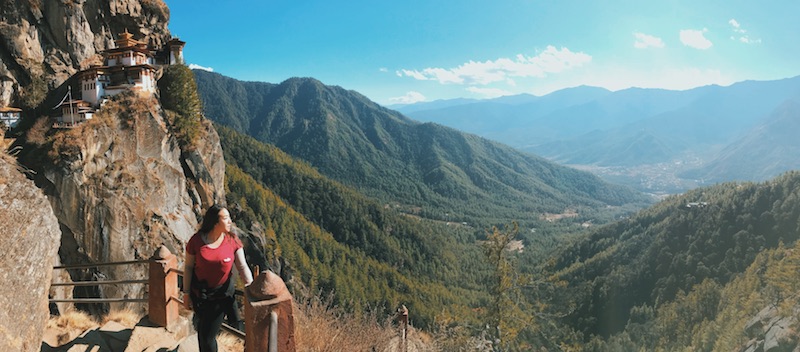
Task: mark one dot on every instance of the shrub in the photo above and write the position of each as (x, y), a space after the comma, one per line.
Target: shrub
(37, 135)
(34, 92)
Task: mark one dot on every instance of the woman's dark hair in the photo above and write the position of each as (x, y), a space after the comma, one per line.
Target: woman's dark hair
(211, 218)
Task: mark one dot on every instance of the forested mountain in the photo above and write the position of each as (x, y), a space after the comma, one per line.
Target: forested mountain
(425, 168)
(337, 241)
(641, 277)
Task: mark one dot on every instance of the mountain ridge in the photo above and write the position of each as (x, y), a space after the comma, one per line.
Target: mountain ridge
(389, 156)
(691, 126)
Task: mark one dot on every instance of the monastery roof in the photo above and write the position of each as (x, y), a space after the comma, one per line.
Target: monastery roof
(96, 69)
(175, 40)
(9, 109)
(126, 40)
(143, 50)
(76, 102)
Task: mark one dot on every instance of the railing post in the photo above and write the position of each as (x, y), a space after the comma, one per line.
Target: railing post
(403, 315)
(162, 302)
(268, 318)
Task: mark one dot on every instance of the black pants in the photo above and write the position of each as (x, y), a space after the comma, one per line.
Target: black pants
(208, 317)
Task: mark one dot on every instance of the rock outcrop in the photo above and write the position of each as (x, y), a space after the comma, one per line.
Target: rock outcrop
(769, 331)
(43, 43)
(120, 187)
(30, 242)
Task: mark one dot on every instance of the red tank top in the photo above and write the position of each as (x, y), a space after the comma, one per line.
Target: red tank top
(212, 265)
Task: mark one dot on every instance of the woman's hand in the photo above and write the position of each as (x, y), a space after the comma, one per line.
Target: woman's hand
(187, 301)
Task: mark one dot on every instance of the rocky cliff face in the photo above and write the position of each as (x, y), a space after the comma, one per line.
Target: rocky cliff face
(44, 42)
(30, 241)
(120, 187)
(117, 186)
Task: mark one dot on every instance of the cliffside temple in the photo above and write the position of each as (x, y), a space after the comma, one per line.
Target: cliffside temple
(73, 112)
(131, 65)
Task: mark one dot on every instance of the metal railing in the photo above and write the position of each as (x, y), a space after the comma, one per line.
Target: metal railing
(164, 282)
(98, 283)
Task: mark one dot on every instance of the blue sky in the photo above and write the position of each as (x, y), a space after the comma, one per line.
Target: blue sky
(423, 50)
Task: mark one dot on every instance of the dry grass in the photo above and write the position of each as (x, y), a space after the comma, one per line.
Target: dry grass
(73, 320)
(126, 317)
(69, 325)
(321, 327)
(229, 343)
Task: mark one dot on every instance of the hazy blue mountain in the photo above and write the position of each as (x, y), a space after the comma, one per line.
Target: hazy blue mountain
(702, 119)
(688, 119)
(500, 118)
(389, 156)
(607, 112)
(430, 105)
(767, 150)
(605, 149)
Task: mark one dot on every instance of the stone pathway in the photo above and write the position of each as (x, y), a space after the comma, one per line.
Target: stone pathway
(114, 337)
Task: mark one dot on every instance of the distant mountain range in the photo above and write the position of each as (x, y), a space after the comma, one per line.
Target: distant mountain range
(441, 172)
(765, 150)
(632, 127)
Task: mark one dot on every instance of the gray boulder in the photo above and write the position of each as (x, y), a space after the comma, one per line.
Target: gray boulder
(30, 242)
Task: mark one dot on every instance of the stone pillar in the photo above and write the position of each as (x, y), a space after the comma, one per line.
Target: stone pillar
(162, 302)
(267, 301)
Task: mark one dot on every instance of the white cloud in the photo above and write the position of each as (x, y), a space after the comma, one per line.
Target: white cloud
(489, 92)
(747, 40)
(695, 38)
(410, 98)
(415, 74)
(742, 37)
(194, 66)
(644, 41)
(551, 60)
(383, 69)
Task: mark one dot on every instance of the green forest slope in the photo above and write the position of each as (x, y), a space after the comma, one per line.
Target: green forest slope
(626, 278)
(337, 241)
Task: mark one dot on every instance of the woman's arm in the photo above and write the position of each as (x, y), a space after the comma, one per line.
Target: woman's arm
(241, 266)
(188, 272)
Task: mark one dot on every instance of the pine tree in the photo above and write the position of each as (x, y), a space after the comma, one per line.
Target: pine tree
(508, 313)
(179, 96)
